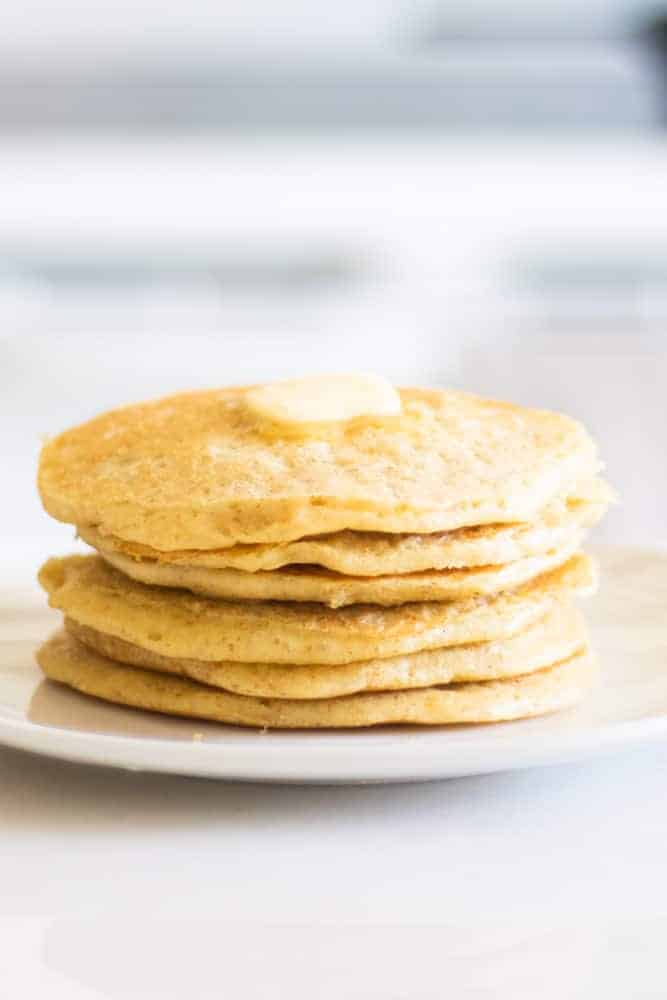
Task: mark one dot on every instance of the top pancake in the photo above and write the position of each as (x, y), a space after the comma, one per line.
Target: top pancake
(201, 471)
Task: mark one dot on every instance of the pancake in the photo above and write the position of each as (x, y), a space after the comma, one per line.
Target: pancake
(64, 659)
(178, 624)
(358, 553)
(201, 470)
(313, 584)
(557, 636)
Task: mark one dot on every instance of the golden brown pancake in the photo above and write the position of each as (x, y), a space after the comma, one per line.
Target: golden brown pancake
(201, 470)
(557, 636)
(314, 584)
(178, 624)
(364, 553)
(64, 659)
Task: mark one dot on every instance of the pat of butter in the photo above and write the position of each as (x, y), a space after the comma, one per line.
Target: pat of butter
(325, 399)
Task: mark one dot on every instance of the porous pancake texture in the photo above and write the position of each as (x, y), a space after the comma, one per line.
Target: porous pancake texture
(178, 624)
(64, 659)
(201, 470)
(325, 554)
(556, 637)
(364, 553)
(314, 584)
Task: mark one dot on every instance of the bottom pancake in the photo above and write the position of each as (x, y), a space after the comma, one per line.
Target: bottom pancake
(63, 658)
(557, 636)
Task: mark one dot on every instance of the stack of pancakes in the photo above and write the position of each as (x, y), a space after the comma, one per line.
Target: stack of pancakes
(416, 567)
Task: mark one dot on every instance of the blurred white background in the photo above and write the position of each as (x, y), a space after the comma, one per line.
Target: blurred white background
(471, 195)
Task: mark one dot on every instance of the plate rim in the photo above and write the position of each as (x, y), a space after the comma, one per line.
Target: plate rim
(411, 760)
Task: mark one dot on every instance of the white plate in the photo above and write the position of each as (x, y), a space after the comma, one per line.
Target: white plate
(629, 626)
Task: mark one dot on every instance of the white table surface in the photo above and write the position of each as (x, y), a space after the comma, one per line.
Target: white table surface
(547, 883)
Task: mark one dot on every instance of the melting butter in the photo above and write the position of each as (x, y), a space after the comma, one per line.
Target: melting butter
(324, 399)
